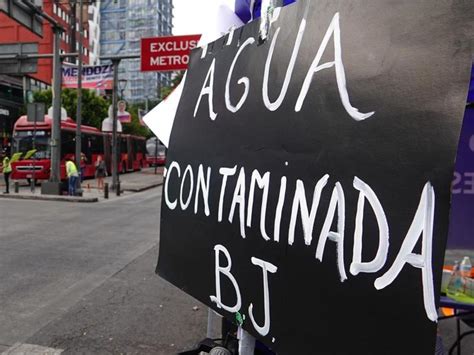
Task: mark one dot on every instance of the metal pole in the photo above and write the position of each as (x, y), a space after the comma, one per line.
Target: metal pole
(116, 63)
(56, 129)
(214, 322)
(79, 100)
(36, 56)
(33, 182)
(26, 87)
(158, 87)
(246, 342)
(156, 155)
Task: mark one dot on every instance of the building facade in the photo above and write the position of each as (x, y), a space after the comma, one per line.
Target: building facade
(123, 23)
(13, 88)
(94, 33)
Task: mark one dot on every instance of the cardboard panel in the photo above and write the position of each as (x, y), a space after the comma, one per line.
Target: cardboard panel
(308, 176)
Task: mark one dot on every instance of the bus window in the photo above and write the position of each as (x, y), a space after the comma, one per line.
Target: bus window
(68, 144)
(86, 147)
(135, 148)
(23, 142)
(97, 145)
(123, 145)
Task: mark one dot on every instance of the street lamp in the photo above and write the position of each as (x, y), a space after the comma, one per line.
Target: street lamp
(122, 85)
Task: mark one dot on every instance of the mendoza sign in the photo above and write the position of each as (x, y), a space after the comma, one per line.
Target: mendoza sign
(167, 53)
(308, 176)
(93, 77)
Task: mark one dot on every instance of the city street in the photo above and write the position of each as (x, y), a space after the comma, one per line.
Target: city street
(314, 161)
(80, 278)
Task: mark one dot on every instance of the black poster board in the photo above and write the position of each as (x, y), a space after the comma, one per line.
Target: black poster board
(360, 151)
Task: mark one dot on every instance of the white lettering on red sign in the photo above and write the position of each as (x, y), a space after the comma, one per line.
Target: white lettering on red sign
(167, 53)
(170, 60)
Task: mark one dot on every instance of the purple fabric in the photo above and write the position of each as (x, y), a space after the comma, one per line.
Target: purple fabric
(470, 95)
(461, 224)
(242, 9)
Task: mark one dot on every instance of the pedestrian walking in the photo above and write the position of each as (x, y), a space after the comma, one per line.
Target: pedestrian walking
(71, 172)
(7, 170)
(83, 163)
(100, 172)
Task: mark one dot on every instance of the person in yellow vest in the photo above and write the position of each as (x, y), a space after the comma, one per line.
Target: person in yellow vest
(7, 170)
(72, 175)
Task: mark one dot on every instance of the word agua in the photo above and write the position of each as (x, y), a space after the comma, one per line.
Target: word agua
(196, 187)
(333, 30)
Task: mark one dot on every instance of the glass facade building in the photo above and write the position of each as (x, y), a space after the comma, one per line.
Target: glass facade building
(122, 25)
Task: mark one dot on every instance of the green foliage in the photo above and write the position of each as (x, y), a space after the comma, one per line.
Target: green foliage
(94, 108)
(165, 91)
(45, 96)
(135, 127)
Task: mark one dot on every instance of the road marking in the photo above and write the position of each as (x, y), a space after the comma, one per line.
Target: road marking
(23, 349)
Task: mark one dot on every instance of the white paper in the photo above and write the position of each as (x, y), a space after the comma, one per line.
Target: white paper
(160, 120)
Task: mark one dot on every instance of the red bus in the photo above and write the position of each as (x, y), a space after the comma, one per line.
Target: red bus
(131, 149)
(156, 152)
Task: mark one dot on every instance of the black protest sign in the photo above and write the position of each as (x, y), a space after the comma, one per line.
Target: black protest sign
(308, 175)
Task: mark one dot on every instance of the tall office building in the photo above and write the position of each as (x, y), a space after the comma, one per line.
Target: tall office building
(122, 25)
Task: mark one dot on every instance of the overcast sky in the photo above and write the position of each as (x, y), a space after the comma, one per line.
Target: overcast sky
(190, 16)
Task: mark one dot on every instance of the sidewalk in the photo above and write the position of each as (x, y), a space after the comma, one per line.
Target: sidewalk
(129, 183)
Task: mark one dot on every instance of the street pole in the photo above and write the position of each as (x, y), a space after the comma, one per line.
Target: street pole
(33, 180)
(158, 88)
(79, 99)
(55, 176)
(115, 63)
(53, 186)
(156, 155)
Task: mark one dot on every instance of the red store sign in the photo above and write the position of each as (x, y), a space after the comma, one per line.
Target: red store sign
(167, 53)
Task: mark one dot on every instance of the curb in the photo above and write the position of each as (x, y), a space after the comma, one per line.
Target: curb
(143, 188)
(76, 199)
(50, 198)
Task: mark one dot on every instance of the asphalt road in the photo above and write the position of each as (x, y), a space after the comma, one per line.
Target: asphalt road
(80, 278)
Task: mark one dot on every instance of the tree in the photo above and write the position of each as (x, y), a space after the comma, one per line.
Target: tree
(135, 127)
(165, 91)
(94, 107)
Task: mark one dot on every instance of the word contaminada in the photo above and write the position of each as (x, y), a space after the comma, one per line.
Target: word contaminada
(422, 225)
